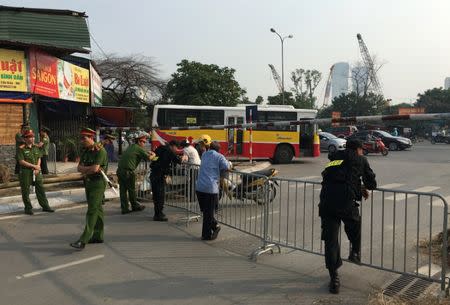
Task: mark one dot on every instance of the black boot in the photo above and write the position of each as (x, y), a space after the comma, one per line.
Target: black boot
(160, 217)
(355, 257)
(335, 284)
(79, 245)
(138, 208)
(215, 233)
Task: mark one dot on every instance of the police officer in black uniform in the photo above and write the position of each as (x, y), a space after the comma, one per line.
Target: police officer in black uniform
(341, 191)
(160, 168)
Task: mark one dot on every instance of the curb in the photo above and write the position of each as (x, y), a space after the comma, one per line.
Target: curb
(12, 204)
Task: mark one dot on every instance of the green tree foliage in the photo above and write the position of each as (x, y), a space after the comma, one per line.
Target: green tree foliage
(195, 83)
(259, 100)
(434, 100)
(352, 104)
(305, 83)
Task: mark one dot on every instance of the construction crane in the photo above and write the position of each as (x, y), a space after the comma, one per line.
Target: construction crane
(276, 78)
(326, 98)
(368, 62)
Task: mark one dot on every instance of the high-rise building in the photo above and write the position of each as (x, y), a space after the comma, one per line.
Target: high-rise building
(340, 79)
(447, 83)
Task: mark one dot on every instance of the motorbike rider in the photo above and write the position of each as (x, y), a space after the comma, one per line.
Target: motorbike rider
(370, 139)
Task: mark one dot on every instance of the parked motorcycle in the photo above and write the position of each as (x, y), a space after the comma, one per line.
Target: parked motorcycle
(368, 147)
(440, 139)
(250, 187)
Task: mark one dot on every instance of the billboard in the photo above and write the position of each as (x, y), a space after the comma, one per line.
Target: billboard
(96, 87)
(411, 110)
(13, 71)
(56, 78)
(43, 74)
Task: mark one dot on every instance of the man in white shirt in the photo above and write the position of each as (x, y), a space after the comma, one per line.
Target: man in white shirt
(193, 160)
(190, 152)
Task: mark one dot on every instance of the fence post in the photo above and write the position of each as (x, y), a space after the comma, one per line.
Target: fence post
(444, 261)
(267, 246)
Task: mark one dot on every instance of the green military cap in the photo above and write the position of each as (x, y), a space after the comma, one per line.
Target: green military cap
(110, 136)
(88, 132)
(45, 129)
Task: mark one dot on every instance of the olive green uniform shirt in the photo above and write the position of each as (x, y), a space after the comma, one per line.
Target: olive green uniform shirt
(46, 141)
(95, 156)
(29, 154)
(19, 141)
(131, 157)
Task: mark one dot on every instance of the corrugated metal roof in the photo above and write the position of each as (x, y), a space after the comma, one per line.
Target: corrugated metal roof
(65, 30)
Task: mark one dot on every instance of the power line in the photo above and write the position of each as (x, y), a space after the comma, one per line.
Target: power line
(95, 41)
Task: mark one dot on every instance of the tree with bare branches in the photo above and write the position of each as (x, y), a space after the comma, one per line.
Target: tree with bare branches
(130, 80)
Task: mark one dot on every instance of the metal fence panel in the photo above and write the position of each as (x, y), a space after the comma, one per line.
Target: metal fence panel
(284, 213)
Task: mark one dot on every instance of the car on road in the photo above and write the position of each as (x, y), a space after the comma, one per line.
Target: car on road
(330, 142)
(391, 142)
(343, 131)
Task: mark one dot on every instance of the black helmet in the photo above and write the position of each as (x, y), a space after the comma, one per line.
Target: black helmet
(354, 144)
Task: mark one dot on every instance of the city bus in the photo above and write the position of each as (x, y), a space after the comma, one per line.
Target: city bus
(279, 143)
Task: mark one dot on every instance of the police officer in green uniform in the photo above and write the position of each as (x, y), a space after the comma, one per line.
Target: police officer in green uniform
(130, 159)
(29, 158)
(93, 160)
(19, 142)
(44, 145)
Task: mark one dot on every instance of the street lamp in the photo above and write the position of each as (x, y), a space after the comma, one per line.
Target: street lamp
(282, 60)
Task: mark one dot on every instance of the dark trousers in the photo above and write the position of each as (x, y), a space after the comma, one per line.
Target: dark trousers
(208, 203)
(330, 234)
(44, 167)
(158, 191)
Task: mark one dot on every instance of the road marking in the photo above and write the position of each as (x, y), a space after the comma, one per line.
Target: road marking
(307, 177)
(38, 272)
(259, 216)
(391, 185)
(39, 213)
(424, 189)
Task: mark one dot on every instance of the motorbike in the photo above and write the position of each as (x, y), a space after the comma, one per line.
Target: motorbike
(251, 187)
(440, 139)
(379, 147)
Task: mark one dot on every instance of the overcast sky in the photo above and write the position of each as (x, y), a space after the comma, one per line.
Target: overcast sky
(410, 37)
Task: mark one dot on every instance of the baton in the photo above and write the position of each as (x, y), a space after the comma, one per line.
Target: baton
(33, 183)
(111, 185)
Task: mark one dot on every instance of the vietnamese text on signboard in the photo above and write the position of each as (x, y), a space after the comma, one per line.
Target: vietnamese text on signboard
(53, 77)
(96, 87)
(13, 71)
(411, 110)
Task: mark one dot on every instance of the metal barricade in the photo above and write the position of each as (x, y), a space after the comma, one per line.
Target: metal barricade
(284, 213)
(51, 161)
(143, 185)
(394, 222)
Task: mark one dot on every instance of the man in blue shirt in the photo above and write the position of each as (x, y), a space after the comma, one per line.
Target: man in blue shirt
(207, 188)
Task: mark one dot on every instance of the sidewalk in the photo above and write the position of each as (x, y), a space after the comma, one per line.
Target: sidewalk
(147, 262)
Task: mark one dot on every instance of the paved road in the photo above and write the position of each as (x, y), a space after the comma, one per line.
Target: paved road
(145, 262)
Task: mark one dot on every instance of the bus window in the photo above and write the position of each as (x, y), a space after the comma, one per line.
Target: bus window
(275, 116)
(306, 140)
(189, 117)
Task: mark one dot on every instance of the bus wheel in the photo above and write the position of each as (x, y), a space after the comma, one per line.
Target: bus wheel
(283, 154)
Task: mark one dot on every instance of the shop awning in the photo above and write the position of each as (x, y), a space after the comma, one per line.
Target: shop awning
(15, 97)
(113, 116)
